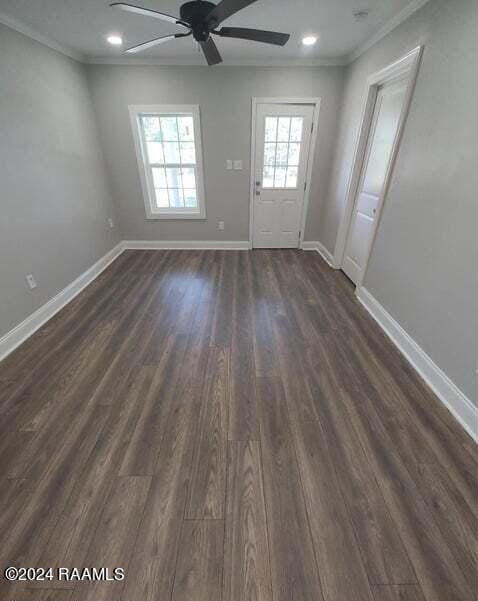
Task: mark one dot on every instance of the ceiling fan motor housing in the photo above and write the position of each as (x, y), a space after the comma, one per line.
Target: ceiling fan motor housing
(195, 14)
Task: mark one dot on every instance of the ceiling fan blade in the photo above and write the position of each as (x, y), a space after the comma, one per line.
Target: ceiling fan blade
(211, 52)
(225, 9)
(151, 43)
(256, 35)
(146, 12)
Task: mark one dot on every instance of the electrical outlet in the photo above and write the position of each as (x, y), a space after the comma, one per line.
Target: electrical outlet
(111, 223)
(31, 281)
(220, 225)
(238, 165)
(228, 164)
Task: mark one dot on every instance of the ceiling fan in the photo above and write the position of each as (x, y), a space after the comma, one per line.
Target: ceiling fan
(202, 18)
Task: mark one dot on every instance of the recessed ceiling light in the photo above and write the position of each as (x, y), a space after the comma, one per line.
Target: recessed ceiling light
(115, 40)
(309, 40)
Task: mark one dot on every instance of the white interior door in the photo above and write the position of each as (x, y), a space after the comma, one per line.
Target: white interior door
(368, 202)
(282, 144)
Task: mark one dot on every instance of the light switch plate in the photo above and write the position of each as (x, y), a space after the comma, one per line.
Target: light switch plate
(228, 164)
(238, 165)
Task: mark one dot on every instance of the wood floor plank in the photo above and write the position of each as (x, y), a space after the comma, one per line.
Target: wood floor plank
(342, 573)
(293, 563)
(398, 593)
(115, 536)
(437, 570)
(247, 572)
(156, 549)
(70, 541)
(27, 537)
(207, 490)
(385, 558)
(200, 562)
(243, 419)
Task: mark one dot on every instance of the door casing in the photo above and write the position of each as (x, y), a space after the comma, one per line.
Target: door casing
(315, 125)
(407, 67)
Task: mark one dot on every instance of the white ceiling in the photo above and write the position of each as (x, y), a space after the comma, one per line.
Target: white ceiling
(80, 26)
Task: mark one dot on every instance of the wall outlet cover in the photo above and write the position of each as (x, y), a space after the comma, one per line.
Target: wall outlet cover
(31, 281)
(220, 225)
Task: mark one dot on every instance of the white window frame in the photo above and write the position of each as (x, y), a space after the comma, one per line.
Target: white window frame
(152, 211)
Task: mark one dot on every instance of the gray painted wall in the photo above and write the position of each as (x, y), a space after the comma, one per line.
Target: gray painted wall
(224, 95)
(423, 267)
(54, 195)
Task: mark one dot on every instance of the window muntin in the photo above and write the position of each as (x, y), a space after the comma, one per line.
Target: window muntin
(171, 161)
(282, 141)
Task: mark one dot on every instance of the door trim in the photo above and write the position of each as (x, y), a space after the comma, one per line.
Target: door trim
(315, 102)
(408, 66)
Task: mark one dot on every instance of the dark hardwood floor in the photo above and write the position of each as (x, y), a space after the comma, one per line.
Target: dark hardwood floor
(230, 426)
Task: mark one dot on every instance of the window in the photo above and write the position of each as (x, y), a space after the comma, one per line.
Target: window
(168, 148)
(282, 139)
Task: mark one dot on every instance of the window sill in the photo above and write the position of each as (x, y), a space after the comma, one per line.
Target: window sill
(173, 216)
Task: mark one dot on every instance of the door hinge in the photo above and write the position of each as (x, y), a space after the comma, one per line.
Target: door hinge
(312, 128)
(305, 186)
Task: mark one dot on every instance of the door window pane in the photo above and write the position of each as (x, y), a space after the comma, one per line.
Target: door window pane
(271, 129)
(294, 154)
(268, 177)
(269, 153)
(282, 140)
(296, 129)
(279, 177)
(291, 180)
(283, 128)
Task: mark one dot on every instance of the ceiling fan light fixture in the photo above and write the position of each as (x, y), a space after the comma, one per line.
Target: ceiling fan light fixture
(309, 40)
(114, 39)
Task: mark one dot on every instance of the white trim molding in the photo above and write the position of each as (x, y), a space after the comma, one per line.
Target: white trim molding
(12, 339)
(323, 252)
(31, 33)
(186, 244)
(459, 405)
(407, 66)
(387, 28)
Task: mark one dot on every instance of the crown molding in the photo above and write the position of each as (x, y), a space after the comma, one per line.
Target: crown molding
(387, 28)
(28, 31)
(188, 62)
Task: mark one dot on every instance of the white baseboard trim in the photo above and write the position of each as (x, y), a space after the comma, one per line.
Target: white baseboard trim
(186, 244)
(323, 252)
(33, 322)
(447, 391)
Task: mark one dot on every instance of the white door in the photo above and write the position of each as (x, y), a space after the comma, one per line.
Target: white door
(282, 142)
(368, 202)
